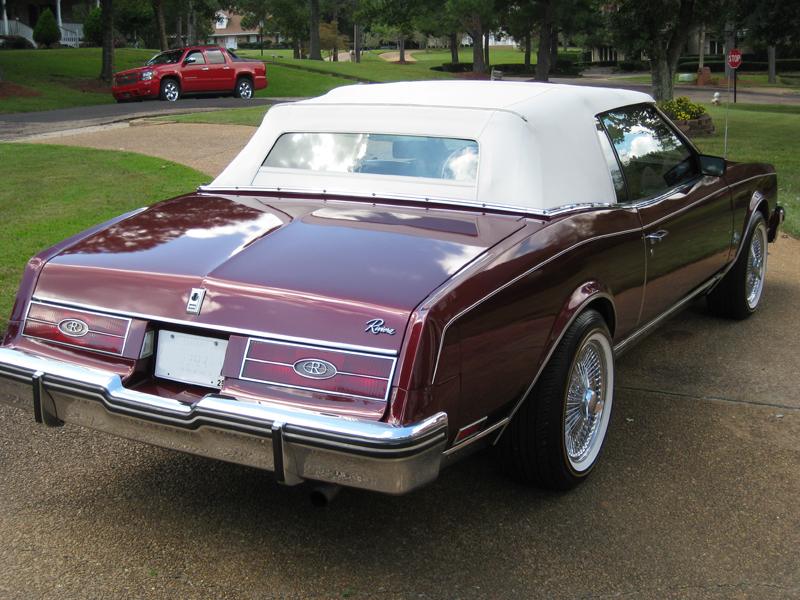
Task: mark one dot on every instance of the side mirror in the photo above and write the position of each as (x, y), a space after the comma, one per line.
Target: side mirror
(190, 60)
(712, 165)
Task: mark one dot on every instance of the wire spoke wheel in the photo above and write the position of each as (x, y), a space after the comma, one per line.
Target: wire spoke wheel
(586, 397)
(738, 295)
(756, 267)
(555, 437)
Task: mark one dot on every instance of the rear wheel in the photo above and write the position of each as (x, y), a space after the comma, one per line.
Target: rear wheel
(170, 90)
(738, 294)
(244, 89)
(556, 436)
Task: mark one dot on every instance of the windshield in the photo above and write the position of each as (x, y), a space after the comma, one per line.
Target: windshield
(382, 154)
(170, 57)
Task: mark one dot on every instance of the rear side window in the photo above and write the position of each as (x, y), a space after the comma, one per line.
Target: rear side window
(215, 57)
(653, 158)
(378, 154)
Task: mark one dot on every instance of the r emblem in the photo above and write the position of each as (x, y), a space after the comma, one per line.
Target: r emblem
(314, 368)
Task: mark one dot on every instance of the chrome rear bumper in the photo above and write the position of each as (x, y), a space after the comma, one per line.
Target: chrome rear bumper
(296, 445)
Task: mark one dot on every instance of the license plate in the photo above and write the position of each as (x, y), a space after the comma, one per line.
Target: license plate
(190, 358)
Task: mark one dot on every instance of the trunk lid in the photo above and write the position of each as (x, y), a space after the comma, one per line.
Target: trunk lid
(337, 272)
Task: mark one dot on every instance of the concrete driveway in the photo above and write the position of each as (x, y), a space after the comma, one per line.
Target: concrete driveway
(695, 496)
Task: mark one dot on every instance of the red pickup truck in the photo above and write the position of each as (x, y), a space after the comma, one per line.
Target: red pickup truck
(195, 70)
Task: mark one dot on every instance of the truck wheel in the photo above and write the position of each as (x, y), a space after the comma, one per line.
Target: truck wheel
(244, 89)
(170, 90)
(556, 436)
(738, 294)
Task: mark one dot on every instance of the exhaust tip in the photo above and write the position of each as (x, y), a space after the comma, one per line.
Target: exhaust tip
(322, 494)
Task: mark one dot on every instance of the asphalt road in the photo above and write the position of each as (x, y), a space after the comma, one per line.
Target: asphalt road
(16, 126)
(695, 495)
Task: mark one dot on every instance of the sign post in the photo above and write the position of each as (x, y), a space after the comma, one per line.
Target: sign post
(734, 60)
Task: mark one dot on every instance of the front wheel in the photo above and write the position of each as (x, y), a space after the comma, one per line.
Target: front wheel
(738, 294)
(244, 89)
(170, 90)
(556, 436)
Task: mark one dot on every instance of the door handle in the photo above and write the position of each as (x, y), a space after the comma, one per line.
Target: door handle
(205, 68)
(657, 236)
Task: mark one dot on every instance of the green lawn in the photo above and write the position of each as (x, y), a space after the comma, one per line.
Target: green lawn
(763, 133)
(59, 76)
(69, 190)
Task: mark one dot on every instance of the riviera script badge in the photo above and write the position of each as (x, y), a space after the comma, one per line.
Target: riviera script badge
(376, 326)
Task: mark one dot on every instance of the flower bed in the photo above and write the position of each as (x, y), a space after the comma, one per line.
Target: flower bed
(691, 118)
(695, 128)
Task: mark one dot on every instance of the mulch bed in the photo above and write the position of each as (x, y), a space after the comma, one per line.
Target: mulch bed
(88, 86)
(12, 90)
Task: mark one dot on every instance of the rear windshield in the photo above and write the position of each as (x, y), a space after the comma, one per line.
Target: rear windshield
(170, 57)
(382, 154)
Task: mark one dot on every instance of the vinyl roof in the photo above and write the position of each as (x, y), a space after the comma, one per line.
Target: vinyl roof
(538, 143)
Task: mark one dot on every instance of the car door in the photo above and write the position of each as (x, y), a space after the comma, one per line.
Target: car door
(222, 71)
(196, 73)
(686, 217)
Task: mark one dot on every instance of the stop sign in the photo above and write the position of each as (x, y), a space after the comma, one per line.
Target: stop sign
(734, 59)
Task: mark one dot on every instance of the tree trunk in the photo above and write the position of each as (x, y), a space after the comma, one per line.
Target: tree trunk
(543, 53)
(296, 46)
(663, 79)
(475, 30)
(486, 62)
(554, 49)
(191, 28)
(566, 43)
(454, 47)
(107, 69)
(771, 65)
(179, 33)
(357, 42)
(401, 43)
(1, 75)
(158, 9)
(528, 44)
(315, 53)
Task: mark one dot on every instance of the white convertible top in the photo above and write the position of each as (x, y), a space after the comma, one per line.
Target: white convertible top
(539, 147)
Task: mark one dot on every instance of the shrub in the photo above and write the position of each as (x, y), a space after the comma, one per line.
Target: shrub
(15, 42)
(634, 65)
(681, 109)
(458, 67)
(255, 45)
(47, 32)
(93, 27)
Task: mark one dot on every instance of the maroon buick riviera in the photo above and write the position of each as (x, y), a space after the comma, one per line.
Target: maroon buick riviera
(390, 276)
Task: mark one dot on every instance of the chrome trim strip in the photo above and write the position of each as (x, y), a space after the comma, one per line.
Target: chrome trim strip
(669, 312)
(235, 330)
(91, 312)
(318, 390)
(478, 436)
(527, 211)
(682, 209)
(515, 280)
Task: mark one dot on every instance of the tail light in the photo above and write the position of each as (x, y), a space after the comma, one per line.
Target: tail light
(310, 368)
(77, 328)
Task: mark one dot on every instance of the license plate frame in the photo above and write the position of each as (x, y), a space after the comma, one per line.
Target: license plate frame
(192, 359)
